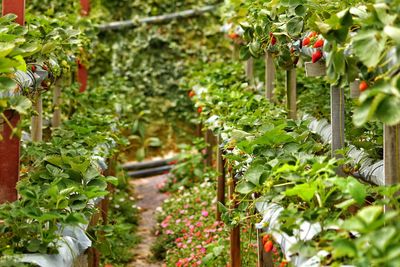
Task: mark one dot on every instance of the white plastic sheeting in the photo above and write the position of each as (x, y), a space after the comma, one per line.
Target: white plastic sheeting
(73, 243)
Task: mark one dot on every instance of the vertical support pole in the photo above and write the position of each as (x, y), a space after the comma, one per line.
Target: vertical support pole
(264, 258)
(250, 70)
(85, 7)
(37, 120)
(83, 73)
(291, 91)
(269, 76)
(337, 118)
(9, 156)
(392, 154)
(209, 138)
(236, 260)
(16, 7)
(56, 119)
(221, 177)
(355, 89)
(10, 144)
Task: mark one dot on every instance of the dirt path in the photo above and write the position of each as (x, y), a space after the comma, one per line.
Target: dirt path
(148, 199)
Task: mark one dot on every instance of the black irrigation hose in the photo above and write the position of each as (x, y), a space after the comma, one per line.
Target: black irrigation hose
(150, 172)
(146, 164)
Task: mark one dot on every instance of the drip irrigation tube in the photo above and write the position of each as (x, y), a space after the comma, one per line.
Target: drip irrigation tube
(131, 166)
(118, 25)
(150, 172)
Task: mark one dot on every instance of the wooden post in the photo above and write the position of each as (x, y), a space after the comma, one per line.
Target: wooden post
(355, 89)
(392, 154)
(56, 119)
(83, 73)
(37, 120)
(9, 143)
(269, 76)
(264, 258)
(221, 177)
(16, 7)
(250, 70)
(291, 91)
(85, 7)
(337, 118)
(209, 138)
(236, 260)
(9, 156)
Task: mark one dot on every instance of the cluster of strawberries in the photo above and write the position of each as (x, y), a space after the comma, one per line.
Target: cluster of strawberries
(317, 42)
(269, 248)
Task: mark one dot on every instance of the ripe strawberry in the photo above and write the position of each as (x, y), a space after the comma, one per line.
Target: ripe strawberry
(265, 239)
(319, 43)
(33, 68)
(273, 39)
(306, 41)
(233, 35)
(192, 94)
(316, 56)
(312, 34)
(363, 86)
(268, 246)
(199, 110)
(283, 263)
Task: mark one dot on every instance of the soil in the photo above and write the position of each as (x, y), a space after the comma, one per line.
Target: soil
(149, 198)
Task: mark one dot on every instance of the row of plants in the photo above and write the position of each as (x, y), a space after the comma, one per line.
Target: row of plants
(64, 177)
(280, 161)
(187, 231)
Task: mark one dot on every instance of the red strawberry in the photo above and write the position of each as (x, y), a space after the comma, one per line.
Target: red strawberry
(45, 67)
(283, 263)
(192, 94)
(268, 246)
(363, 86)
(273, 40)
(312, 34)
(233, 35)
(199, 110)
(33, 68)
(265, 239)
(316, 56)
(319, 43)
(306, 41)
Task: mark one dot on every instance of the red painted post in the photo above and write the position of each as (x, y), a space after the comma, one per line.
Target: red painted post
(83, 73)
(10, 145)
(9, 157)
(16, 7)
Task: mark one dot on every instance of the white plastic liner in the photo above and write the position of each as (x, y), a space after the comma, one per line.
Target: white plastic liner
(73, 243)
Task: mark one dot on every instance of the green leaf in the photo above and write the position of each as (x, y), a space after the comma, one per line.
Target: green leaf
(244, 187)
(294, 26)
(367, 41)
(343, 248)
(254, 173)
(388, 110)
(21, 104)
(6, 48)
(393, 33)
(7, 84)
(370, 214)
(112, 180)
(357, 190)
(304, 191)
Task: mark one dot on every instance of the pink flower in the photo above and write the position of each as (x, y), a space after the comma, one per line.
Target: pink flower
(169, 232)
(204, 213)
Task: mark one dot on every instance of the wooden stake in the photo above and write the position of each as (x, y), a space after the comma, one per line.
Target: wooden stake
(9, 143)
(355, 89)
(209, 138)
(236, 260)
(37, 120)
(16, 7)
(269, 76)
(250, 70)
(392, 154)
(221, 177)
(291, 91)
(337, 119)
(56, 120)
(264, 258)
